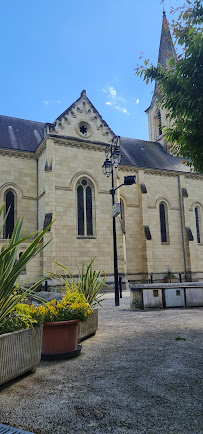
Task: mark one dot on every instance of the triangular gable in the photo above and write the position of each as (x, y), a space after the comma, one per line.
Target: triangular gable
(82, 120)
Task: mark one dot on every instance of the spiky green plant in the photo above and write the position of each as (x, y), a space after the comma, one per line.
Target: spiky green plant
(90, 283)
(11, 267)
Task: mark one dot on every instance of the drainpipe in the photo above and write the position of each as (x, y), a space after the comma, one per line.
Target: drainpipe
(37, 207)
(181, 222)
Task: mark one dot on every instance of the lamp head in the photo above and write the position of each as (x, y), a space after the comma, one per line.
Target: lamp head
(107, 167)
(129, 180)
(116, 157)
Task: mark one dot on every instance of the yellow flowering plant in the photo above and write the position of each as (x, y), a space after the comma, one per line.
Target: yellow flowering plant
(72, 306)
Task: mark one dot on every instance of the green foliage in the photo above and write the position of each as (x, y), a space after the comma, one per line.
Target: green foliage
(16, 321)
(90, 283)
(72, 306)
(180, 85)
(11, 268)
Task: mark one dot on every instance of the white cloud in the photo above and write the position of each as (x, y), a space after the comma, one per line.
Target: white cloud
(114, 100)
(112, 92)
(117, 107)
(137, 101)
(52, 101)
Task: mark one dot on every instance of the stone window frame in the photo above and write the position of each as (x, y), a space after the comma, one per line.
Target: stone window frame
(93, 220)
(166, 223)
(87, 125)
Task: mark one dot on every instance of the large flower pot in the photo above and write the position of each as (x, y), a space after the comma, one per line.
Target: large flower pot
(89, 327)
(59, 339)
(19, 352)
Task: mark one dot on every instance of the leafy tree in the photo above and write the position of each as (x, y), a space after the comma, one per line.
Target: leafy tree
(180, 84)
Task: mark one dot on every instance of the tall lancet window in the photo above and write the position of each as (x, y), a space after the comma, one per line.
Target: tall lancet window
(198, 224)
(85, 207)
(164, 223)
(159, 122)
(10, 206)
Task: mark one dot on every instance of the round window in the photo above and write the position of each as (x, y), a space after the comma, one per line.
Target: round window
(84, 129)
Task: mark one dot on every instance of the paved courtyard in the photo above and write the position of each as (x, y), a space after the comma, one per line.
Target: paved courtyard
(133, 376)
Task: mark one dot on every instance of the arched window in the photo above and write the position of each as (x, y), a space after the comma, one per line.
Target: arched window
(9, 198)
(85, 207)
(163, 222)
(198, 224)
(159, 122)
(122, 212)
(122, 216)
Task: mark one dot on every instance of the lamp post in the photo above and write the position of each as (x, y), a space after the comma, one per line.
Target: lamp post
(109, 164)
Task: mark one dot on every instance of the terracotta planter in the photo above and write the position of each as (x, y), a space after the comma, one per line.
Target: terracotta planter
(60, 337)
(171, 280)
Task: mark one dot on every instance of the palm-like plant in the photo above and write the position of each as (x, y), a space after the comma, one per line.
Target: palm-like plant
(90, 283)
(11, 268)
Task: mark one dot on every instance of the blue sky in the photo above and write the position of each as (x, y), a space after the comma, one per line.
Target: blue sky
(53, 49)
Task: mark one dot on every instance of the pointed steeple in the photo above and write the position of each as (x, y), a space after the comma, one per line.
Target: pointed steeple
(157, 115)
(166, 47)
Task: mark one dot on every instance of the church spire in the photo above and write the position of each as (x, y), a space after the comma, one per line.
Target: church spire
(166, 47)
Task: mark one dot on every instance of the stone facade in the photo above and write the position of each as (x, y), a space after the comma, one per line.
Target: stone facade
(44, 173)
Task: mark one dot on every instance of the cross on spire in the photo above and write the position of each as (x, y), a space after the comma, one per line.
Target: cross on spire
(162, 1)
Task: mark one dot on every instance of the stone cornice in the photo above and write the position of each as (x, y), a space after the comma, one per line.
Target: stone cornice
(42, 146)
(162, 172)
(17, 153)
(195, 176)
(128, 168)
(76, 142)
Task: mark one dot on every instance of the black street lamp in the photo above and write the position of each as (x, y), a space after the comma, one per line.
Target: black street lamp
(109, 164)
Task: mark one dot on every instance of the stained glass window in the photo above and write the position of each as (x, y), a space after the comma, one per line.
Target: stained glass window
(9, 225)
(197, 220)
(163, 222)
(84, 208)
(159, 122)
(122, 215)
(80, 194)
(89, 211)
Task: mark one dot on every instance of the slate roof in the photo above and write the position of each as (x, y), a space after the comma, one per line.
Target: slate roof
(20, 134)
(151, 155)
(24, 135)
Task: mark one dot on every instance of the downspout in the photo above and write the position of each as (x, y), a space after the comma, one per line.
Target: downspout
(37, 207)
(181, 222)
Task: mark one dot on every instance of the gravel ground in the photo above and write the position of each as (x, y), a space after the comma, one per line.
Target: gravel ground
(133, 376)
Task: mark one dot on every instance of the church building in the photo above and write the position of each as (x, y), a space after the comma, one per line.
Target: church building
(53, 171)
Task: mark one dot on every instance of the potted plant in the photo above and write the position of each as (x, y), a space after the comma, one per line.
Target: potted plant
(89, 284)
(20, 341)
(60, 330)
(170, 277)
